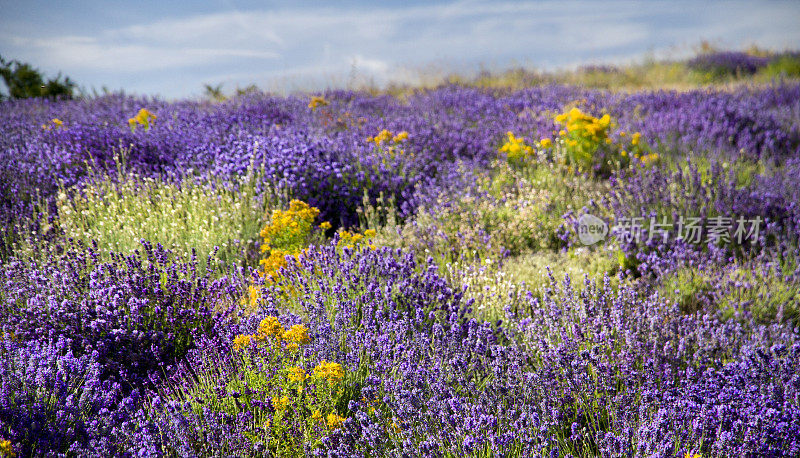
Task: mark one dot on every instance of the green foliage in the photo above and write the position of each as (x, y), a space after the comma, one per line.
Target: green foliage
(762, 293)
(287, 401)
(498, 286)
(183, 216)
(588, 144)
(689, 288)
(786, 66)
(214, 93)
(24, 81)
(514, 211)
(766, 295)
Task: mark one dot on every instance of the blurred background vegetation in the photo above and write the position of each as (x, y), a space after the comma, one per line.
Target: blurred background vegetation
(23, 81)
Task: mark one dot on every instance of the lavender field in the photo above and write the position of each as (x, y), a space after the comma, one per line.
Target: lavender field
(549, 270)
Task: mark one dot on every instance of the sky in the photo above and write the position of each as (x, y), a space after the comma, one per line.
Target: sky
(171, 49)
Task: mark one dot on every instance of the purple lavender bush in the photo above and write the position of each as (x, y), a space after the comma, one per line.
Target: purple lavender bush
(137, 314)
(581, 373)
(374, 352)
(55, 403)
(764, 205)
(729, 63)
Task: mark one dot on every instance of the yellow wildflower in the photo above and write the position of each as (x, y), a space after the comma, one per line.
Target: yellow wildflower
(332, 372)
(275, 261)
(325, 225)
(57, 122)
(299, 216)
(400, 137)
(690, 455)
(242, 341)
(144, 116)
(334, 421)
(515, 148)
(296, 374)
(649, 159)
(351, 240)
(286, 235)
(269, 327)
(316, 415)
(280, 403)
(5, 448)
(382, 137)
(635, 138)
(297, 334)
(546, 143)
(252, 296)
(317, 101)
(562, 132)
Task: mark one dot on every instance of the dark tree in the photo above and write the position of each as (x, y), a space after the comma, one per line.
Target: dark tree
(24, 81)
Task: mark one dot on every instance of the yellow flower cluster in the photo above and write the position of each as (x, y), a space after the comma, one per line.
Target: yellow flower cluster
(317, 101)
(297, 334)
(334, 421)
(332, 372)
(253, 296)
(286, 235)
(515, 148)
(584, 126)
(280, 403)
(5, 448)
(648, 159)
(242, 341)
(352, 240)
(269, 327)
(386, 136)
(54, 122)
(584, 136)
(296, 374)
(289, 225)
(143, 118)
(389, 143)
(271, 331)
(275, 261)
(645, 159)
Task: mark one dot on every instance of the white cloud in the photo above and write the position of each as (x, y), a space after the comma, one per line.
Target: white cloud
(254, 46)
(99, 54)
